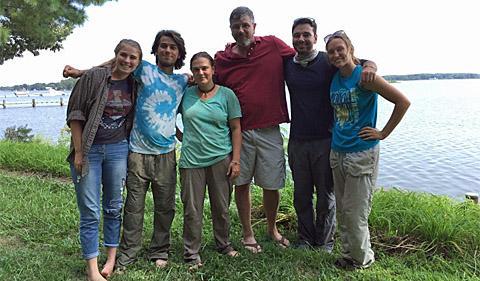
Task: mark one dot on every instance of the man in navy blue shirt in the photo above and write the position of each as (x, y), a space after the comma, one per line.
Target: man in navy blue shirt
(308, 76)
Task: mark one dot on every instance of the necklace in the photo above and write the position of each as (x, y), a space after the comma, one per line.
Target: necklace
(205, 93)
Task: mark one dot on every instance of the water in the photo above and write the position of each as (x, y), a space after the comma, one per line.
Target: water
(436, 147)
(46, 119)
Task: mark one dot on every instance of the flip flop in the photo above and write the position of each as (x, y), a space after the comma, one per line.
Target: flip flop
(282, 242)
(233, 254)
(253, 248)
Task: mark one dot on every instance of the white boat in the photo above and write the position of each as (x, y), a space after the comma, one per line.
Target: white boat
(21, 93)
(50, 92)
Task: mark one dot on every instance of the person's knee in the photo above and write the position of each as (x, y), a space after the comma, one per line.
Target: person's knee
(113, 209)
(242, 190)
(271, 194)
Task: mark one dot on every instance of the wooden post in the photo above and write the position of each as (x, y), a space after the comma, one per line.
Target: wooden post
(33, 103)
(472, 196)
(4, 104)
(61, 101)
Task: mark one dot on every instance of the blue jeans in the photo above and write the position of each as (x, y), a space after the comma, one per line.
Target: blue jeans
(107, 173)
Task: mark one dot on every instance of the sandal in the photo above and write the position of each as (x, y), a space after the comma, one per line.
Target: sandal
(253, 248)
(348, 264)
(193, 266)
(282, 242)
(233, 254)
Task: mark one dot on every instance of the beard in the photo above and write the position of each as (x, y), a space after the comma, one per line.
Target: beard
(165, 63)
(244, 43)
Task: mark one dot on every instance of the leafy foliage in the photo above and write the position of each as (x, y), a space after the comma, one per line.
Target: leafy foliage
(20, 134)
(33, 25)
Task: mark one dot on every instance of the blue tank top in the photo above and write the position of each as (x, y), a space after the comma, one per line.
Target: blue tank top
(354, 108)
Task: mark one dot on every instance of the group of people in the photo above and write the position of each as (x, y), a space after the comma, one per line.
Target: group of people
(122, 115)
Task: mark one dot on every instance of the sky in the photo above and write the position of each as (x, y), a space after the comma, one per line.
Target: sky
(402, 37)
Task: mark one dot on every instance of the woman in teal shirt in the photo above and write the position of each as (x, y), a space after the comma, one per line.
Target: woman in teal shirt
(355, 149)
(210, 156)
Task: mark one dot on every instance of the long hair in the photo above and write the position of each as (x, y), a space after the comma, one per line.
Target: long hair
(177, 38)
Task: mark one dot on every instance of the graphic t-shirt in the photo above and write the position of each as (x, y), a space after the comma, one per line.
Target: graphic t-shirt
(119, 104)
(355, 108)
(158, 99)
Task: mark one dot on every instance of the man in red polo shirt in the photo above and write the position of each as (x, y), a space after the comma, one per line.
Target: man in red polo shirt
(253, 68)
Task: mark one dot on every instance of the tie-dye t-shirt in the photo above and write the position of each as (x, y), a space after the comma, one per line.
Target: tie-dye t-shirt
(158, 99)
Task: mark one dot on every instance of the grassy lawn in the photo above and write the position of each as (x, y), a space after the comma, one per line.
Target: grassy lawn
(39, 241)
(415, 236)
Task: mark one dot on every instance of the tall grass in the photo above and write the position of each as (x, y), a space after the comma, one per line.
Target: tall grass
(419, 221)
(36, 157)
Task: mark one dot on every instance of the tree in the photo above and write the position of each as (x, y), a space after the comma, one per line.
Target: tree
(33, 25)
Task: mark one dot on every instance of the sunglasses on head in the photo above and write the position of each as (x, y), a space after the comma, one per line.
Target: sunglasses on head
(338, 33)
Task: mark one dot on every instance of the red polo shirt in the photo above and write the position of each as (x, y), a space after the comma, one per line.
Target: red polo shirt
(257, 80)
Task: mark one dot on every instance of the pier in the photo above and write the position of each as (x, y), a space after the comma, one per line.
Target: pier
(33, 103)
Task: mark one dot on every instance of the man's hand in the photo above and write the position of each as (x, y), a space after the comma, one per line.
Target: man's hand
(69, 71)
(190, 80)
(368, 73)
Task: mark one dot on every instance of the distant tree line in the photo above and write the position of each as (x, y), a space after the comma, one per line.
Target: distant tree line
(64, 85)
(432, 76)
(67, 84)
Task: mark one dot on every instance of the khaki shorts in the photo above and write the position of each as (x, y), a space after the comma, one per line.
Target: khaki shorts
(262, 158)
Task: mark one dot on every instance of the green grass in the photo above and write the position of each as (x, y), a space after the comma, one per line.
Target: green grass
(433, 224)
(415, 236)
(37, 157)
(38, 241)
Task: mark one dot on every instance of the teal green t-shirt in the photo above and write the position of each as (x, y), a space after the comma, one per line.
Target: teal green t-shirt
(206, 131)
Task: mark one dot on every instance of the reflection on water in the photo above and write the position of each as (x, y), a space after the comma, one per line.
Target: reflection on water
(435, 149)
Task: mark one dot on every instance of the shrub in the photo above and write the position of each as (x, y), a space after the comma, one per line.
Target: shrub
(20, 134)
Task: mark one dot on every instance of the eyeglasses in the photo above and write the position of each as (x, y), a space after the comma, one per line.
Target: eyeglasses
(338, 33)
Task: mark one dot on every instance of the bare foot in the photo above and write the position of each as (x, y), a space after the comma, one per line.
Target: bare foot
(107, 270)
(92, 270)
(95, 277)
(109, 265)
(161, 263)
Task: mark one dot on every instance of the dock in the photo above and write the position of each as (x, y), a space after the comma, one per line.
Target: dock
(33, 103)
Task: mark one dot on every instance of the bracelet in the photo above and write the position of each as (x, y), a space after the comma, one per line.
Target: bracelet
(235, 162)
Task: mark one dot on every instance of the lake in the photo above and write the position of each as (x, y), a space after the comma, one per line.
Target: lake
(436, 147)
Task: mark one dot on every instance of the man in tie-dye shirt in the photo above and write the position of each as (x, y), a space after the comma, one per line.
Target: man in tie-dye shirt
(152, 159)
